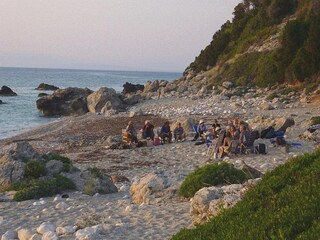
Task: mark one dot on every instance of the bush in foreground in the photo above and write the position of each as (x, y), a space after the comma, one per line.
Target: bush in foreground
(211, 175)
(284, 205)
(37, 188)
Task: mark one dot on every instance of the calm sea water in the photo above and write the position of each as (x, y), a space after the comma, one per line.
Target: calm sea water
(20, 113)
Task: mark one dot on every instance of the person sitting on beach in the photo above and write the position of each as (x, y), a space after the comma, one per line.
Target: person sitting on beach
(131, 132)
(179, 133)
(165, 132)
(226, 144)
(200, 129)
(235, 123)
(147, 130)
(214, 130)
(234, 133)
(244, 135)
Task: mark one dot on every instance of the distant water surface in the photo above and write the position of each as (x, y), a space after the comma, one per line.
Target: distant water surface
(20, 113)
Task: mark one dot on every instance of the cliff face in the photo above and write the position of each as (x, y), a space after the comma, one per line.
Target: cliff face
(268, 42)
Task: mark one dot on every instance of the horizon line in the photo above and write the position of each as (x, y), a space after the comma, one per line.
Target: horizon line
(86, 69)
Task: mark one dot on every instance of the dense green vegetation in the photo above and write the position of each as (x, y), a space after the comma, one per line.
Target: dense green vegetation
(37, 188)
(315, 120)
(284, 205)
(37, 184)
(211, 175)
(254, 21)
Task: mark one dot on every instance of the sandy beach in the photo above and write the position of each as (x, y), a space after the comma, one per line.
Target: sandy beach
(83, 140)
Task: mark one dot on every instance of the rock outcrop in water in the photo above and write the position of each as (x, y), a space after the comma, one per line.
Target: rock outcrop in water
(44, 86)
(6, 91)
(69, 101)
(131, 88)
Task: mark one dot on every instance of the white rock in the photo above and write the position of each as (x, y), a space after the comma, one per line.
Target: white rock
(57, 198)
(39, 203)
(49, 236)
(62, 206)
(46, 227)
(66, 230)
(24, 234)
(89, 232)
(10, 234)
(124, 188)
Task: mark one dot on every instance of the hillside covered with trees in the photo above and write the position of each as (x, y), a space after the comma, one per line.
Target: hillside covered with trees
(268, 42)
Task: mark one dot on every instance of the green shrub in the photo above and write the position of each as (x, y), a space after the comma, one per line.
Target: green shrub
(211, 175)
(89, 187)
(35, 169)
(284, 205)
(67, 165)
(315, 120)
(37, 188)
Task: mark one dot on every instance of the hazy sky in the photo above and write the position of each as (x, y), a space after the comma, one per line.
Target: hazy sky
(162, 35)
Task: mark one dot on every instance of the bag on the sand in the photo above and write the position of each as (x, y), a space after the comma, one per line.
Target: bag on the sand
(270, 134)
(264, 132)
(261, 148)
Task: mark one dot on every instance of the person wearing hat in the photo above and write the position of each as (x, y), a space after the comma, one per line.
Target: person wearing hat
(200, 129)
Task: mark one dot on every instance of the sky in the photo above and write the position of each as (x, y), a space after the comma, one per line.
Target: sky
(148, 35)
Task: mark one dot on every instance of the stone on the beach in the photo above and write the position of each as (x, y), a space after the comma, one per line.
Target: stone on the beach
(148, 187)
(36, 237)
(131, 88)
(62, 206)
(69, 101)
(209, 202)
(266, 106)
(24, 234)
(1, 102)
(89, 232)
(138, 112)
(151, 86)
(54, 167)
(6, 91)
(46, 227)
(12, 163)
(65, 230)
(9, 235)
(50, 235)
(44, 86)
(227, 84)
(106, 99)
(133, 99)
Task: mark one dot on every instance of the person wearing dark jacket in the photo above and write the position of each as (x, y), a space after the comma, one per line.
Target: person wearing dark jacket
(166, 134)
(147, 130)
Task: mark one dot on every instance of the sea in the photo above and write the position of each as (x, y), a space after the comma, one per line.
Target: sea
(20, 113)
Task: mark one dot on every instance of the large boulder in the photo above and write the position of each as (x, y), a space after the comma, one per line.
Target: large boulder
(104, 99)
(209, 202)
(149, 188)
(92, 181)
(12, 161)
(69, 101)
(151, 86)
(44, 86)
(1, 102)
(133, 99)
(6, 91)
(132, 88)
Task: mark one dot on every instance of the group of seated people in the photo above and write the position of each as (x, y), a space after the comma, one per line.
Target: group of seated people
(236, 134)
(164, 135)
